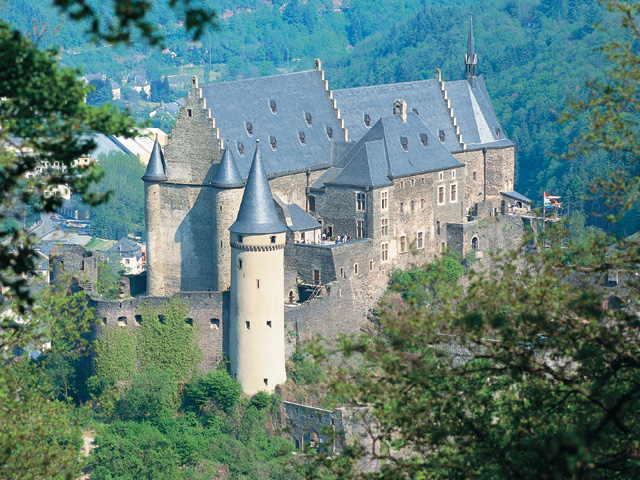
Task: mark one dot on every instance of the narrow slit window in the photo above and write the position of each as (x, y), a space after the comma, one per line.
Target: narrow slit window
(189, 112)
(247, 325)
(266, 381)
(257, 283)
(269, 323)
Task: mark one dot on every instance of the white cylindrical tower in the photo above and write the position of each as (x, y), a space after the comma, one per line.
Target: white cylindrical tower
(256, 338)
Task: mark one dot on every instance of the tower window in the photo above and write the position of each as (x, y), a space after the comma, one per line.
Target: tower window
(355, 269)
(342, 275)
(384, 249)
(266, 381)
(189, 112)
(241, 149)
(361, 199)
(422, 203)
(367, 120)
(403, 244)
(453, 174)
(249, 127)
(272, 104)
(420, 240)
(441, 195)
(307, 117)
(401, 207)
(360, 229)
(413, 206)
(330, 133)
(474, 175)
(239, 238)
(273, 239)
(370, 265)
(247, 325)
(214, 323)
(269, 323)
(239, 264)
(438, 228)
(257, 283)
(220, 207)
(302, 138)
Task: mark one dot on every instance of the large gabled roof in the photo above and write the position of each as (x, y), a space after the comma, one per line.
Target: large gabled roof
(469, 100)
(393, 149)
(294, 97)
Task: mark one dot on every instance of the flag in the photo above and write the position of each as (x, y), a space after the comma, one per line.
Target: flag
(551, 201)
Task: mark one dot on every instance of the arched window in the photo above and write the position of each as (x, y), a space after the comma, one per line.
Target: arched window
(474, 243)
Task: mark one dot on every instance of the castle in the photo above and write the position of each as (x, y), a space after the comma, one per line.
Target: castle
(243, 233)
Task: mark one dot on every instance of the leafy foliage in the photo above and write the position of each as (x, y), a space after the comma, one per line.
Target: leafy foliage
(116, 354)
(216, 388)
(169, 344)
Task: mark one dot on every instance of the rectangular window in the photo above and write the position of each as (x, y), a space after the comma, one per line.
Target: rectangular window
(239, 264)
(440, 176)
(268, 323)
(453, 174)
(413, 206)
(257, 282)
(454, 193)
(355, 268)
(247, 325)
(384, 227)
(474, 175)
(384, 200)
(361, 203)
(384, 252)
(413, 182)
(342, 275)
(420, 240)
(422, 203)
(438, 228)
(422, 180)
(401, 207)
(312, 203)
(370, 265)
(403, 244)
(441, 195)
(360, 229)
(401, 183)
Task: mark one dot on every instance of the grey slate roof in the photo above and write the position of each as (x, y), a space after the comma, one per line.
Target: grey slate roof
(301, 220)
(257, 213)
(227, 175)
(156, 167)
(124, 246)
(380, 155)
(469, 100)
(235, 104)
(516, 196)
(477, 120)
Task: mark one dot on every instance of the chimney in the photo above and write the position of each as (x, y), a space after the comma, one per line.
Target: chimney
(400, 108)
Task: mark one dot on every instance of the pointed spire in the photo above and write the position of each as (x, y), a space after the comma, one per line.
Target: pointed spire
(471, 59)
(257, 214)
(228, 175)
(156, 167)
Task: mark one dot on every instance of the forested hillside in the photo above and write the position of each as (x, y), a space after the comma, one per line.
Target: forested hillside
(534, 54)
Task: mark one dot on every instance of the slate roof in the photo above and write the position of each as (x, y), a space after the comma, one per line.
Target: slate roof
(469, 100)
(237, 104)
(471, 105)
(125, 247)
(156, 166)
(301, 220)
(380, 155)
(227, 175)
(516, 196)
(257, 213)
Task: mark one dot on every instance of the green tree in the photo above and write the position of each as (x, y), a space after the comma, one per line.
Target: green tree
(116, 354)
(535, 372)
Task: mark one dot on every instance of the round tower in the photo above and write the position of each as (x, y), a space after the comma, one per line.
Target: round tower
(256, 338)
(227, 197)
(153, 178)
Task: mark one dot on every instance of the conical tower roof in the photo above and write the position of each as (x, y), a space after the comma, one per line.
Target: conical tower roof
(228, 175)
(257, 214)
(156, 167)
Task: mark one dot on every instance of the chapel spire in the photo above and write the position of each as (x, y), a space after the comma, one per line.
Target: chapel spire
(471, 59)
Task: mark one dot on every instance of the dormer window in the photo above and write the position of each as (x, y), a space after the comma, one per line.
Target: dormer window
(405, 143)
(241, 149)
(274, 144)
(367, 120)
(272, 104)
(415, 110)
(442, 136)
(307, 117)
(424, 140)
(330, 133)
(302, 138)
(249, 127)
(498, 132)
